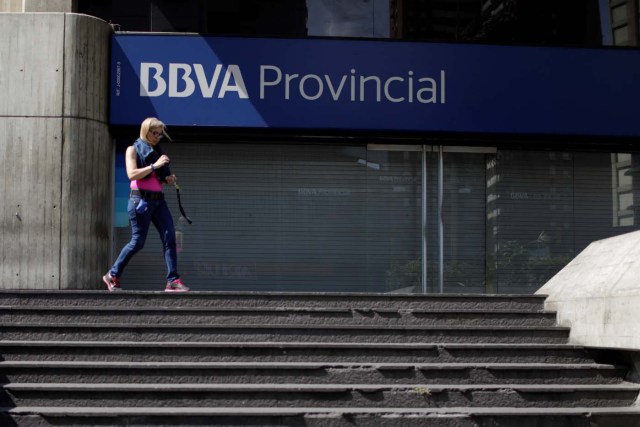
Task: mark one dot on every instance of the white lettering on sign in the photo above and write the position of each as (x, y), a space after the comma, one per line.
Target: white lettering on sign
(181, 84)
(184, 80)
(425, 90)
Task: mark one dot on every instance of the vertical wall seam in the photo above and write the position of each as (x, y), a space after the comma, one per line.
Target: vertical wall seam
(62, 147)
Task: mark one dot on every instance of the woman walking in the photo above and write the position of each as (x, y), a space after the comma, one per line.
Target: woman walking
(148, 169)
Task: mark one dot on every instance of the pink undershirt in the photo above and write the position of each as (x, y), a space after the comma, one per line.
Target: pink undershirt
(150, 183)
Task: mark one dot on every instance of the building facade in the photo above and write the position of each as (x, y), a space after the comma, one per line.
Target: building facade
(354, 197)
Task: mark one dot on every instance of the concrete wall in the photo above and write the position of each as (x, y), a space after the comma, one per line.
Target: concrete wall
(598, 294)
(55, 151)
(11, 5)
(38, 5)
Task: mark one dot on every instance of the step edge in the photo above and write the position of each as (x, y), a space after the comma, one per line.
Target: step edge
(21, 325)
(320, 388)
(310, 365)
(292, 344)
(319, 411)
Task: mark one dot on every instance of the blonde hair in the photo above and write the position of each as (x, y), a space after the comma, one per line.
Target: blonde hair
(151, 123)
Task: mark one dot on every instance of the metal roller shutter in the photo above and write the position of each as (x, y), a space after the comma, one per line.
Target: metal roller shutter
(289, 218)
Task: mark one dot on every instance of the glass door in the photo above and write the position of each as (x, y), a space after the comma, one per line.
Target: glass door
(466, 223)
(440, 194)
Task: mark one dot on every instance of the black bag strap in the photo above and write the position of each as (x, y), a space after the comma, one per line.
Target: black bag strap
(180, 204)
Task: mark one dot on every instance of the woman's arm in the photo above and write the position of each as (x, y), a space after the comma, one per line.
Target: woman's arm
(133, 172)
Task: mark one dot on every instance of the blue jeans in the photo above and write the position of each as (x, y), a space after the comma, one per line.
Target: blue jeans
(157, 213)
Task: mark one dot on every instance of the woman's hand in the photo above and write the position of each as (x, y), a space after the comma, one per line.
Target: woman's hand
(171, 179)
(162, 161)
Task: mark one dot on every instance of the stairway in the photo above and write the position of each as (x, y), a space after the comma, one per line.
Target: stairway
(83, 358)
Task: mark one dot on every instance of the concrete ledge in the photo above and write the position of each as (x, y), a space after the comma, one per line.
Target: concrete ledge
(597, 294)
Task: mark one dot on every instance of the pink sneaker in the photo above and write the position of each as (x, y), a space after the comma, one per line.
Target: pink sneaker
(113, 283)
(176, 286)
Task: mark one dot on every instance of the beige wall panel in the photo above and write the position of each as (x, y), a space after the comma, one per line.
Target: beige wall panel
(86, 83)
(31, 69)
(87, 202)
(30, 159)
(10, 5)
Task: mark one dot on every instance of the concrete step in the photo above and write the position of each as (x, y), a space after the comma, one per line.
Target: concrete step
(279, 315)
(269, 351)
(307, 373)
(322, 417)
(80, 358)
(310, 395)
(284, 333)
(218, 300)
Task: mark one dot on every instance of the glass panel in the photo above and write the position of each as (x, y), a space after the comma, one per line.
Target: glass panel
(621, 35)
(623, 178)
(619, 13)
(464, 213)
(534, 230)
(604, 197)
(348, 18)
(552, 205)
(393, 220)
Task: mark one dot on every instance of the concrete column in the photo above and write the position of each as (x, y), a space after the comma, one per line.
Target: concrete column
(55, 151)
(10, 5)
(38, 5)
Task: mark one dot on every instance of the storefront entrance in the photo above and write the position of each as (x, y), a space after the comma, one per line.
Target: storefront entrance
(374, 218)
(383, 218)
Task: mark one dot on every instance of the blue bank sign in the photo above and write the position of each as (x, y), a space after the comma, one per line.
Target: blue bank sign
(373, 85)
